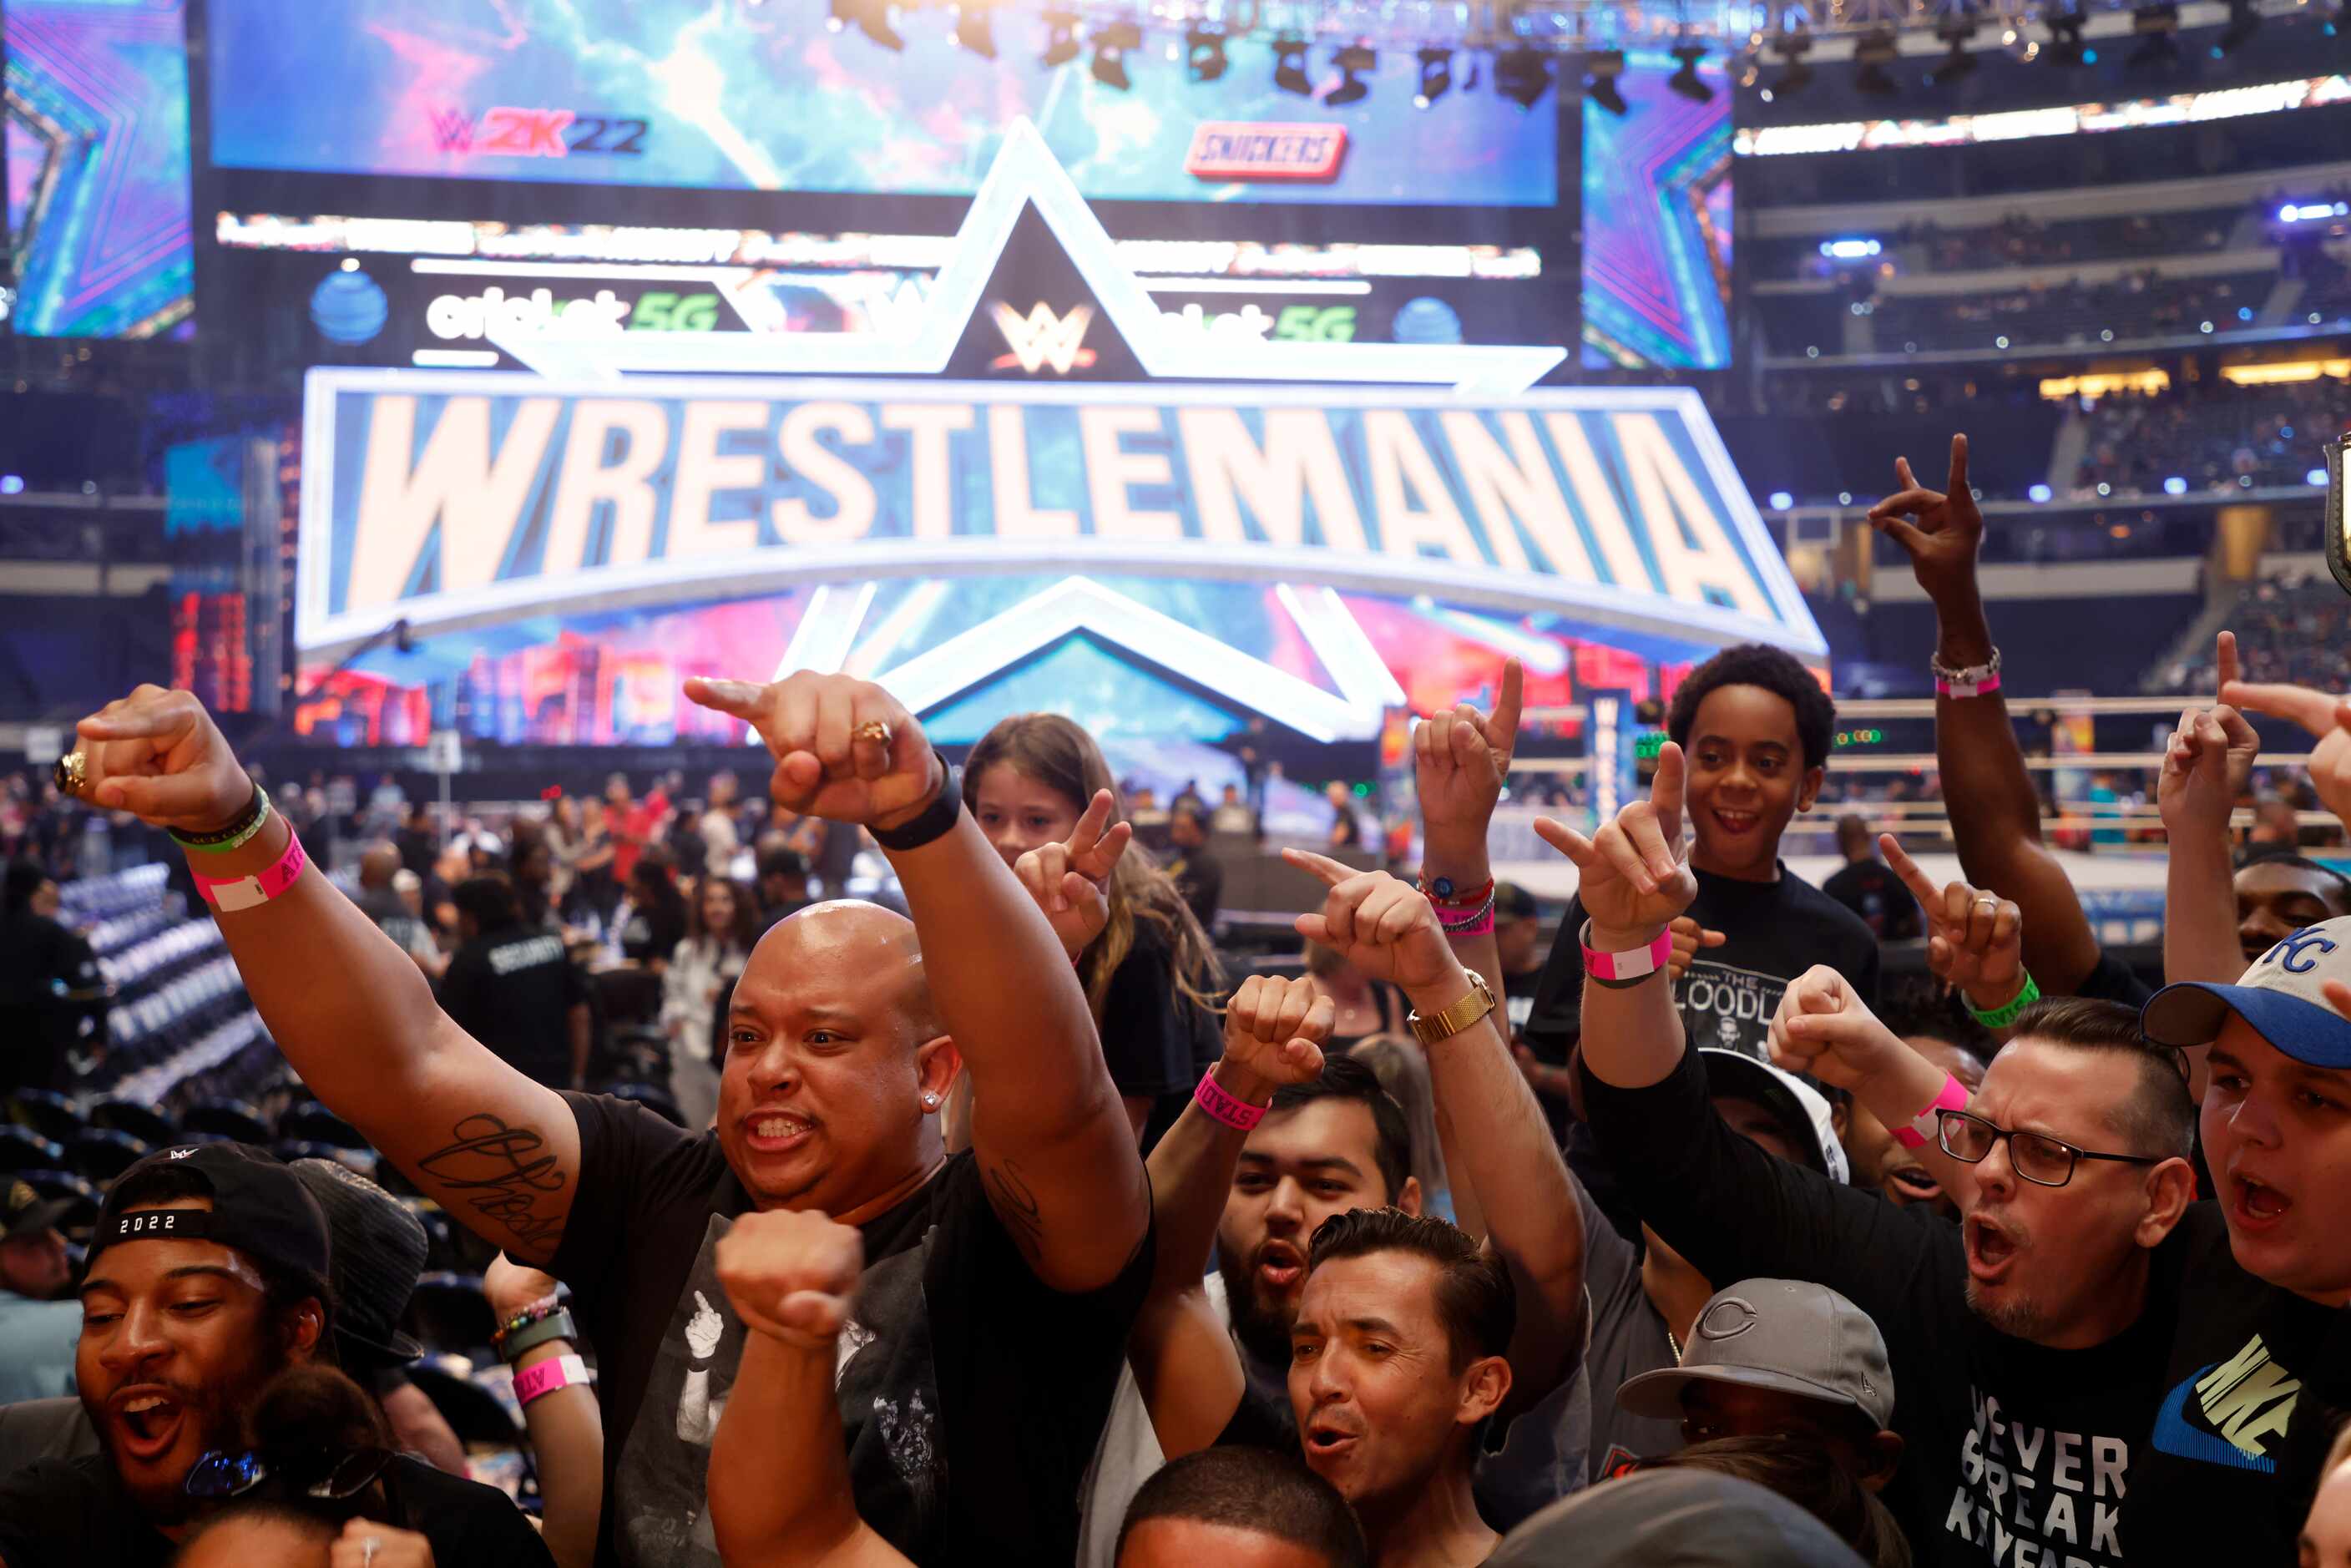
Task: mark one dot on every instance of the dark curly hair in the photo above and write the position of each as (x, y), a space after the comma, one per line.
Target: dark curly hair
(1753, 665)
(1475, 1300)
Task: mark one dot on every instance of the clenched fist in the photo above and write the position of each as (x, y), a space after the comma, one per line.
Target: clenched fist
(1274, 1030)
(791, 1274)
(157, 756)
(830, 763)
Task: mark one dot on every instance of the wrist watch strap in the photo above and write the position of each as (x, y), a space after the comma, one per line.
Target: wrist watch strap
(1456, 1017)
(935, 822)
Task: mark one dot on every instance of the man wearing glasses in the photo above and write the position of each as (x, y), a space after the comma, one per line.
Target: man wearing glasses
(2032, 1343)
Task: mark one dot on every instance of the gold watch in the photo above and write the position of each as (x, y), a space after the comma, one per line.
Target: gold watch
(1456, 1017)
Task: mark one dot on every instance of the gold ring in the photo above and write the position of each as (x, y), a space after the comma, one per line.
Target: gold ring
(71, 773)
(872, 729)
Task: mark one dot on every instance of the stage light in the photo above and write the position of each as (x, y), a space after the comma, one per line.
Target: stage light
(1602, 69)
(1436, 77)
(1871, 55)
(1790, 48)
(2038, 493)
(2244, 22)
(2317, 476)
(1521, 75)
(1111, 44)
(1685, 79)
(1062, 41)
(973, 31)
(1289, 67)
(2158, 26)
(1352, 62)
(12, 484)
(1959, 62)
(836, 18)
(2175, 485)
(1207, 51)
(1780, 500)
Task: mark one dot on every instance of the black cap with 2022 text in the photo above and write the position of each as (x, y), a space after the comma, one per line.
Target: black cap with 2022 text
(260, 1208)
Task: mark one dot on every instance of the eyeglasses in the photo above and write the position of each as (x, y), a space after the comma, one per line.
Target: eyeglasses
(2037, 1157)
(334, 1474)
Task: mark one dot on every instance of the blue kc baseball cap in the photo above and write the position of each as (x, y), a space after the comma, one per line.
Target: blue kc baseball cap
(2283, 996)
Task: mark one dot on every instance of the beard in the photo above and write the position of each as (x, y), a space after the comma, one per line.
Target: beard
(218, 1412)
(2018, 1318)
(1262, 1328)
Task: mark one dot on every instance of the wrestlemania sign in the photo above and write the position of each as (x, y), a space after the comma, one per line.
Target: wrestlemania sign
(463, 499)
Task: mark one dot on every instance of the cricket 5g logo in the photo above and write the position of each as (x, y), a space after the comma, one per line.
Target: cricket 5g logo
(513, 132)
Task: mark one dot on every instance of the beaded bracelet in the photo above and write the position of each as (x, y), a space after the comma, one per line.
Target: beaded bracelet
(235, 835)
(557, 1324)
(547, 1306)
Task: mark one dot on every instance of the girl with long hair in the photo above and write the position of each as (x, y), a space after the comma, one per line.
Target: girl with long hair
(1152, 976)
(722, 922)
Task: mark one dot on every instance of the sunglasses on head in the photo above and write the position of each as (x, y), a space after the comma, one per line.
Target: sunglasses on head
(332, 1474)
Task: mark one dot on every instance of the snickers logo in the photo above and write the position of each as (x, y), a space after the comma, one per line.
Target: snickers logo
(1237, 149)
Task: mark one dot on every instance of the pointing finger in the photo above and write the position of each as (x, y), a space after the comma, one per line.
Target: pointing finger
(1906, 869)
(2224, 658)
(2305, 706)
(1666, 793)
(1958, 480)
(1567, 841)
(701, 1301)
(1322, 868)
(1502, 729)
(740, 698)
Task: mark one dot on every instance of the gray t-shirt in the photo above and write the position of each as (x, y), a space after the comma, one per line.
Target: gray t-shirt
(1628, 1338)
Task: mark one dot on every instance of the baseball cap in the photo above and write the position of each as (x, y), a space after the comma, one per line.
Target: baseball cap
(378, 1249)
(1674, 1518)
(2281, 995)
(1784, 1334)
(259, 1206)
(1799, 1106)
(1512, 902)
(27, 1213)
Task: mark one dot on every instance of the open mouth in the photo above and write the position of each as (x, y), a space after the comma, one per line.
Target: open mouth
(1328, 1442)
(777, 1131)
(1914, 1185)
(1737, 824)
(1279, 1265)
(1991, 1250)
(2255, 1205)
(147, 1423)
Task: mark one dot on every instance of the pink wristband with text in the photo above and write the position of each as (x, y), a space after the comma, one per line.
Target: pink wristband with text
(1923, 1127)
(556, 1372)
(1238, 1114)
(1630, 965)
(1982, 688)
(233, 893)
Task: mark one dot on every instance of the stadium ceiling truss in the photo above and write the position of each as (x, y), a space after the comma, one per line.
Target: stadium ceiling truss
(1825, 30)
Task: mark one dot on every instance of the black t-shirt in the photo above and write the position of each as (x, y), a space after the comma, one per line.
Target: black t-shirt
(971, 1395)
(653, 931)
(2008, 1444)
(74, 1513)
(1871, 890)
(1773, 932)
(2112, 980)
(513, 990)
(1200, 878)
(38, 959)
(1156, 1040)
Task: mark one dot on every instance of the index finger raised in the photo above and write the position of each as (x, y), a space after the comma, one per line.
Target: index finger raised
(1321, 868)
(1088, 830)
(1958, 479)
(1906, 869)
(1502, 729)
(2224, 659)
(1666, 793)
(2305, 706)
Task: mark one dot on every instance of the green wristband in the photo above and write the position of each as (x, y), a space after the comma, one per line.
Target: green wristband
(237, 835)
(2007, 1015)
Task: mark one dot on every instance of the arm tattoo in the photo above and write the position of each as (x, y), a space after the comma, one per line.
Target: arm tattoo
(507, 1167)
(1016, 1204)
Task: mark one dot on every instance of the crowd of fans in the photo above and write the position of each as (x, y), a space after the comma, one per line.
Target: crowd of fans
(2215, 435)
(1013, 1221)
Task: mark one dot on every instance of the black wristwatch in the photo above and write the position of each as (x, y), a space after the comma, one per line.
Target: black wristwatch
(935, 822)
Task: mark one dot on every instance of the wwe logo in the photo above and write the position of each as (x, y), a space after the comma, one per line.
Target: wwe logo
(453, 130)
(1041, 339)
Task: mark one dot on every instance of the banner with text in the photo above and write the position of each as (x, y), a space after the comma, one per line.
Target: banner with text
(465, 499)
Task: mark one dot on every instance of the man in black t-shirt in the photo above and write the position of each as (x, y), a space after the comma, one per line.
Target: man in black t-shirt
(207, 1276)
(1199, 874)
(2033, 1341)
(1756, 729)
(515, 988)
(1868, 886)
(999, 1283)
(51, 991)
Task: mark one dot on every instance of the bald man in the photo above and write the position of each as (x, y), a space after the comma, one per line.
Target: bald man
(967, 1427)
(380, 900)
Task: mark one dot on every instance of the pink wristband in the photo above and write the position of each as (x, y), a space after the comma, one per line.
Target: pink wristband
(1984, 687)
(1923, 1127)
(556, 1372)
(1630, 964)
(1238, 1114)
(230, 895)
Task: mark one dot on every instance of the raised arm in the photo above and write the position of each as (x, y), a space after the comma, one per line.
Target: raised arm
(2208, 761)
(779, 1490)
(2329, 720)
(347, 1007)
(567, 1432)
(1058, 1159)
(1390, 931)
(1994, 809)
(1975, 939)
(1823, 1028)
(1182, 1357)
